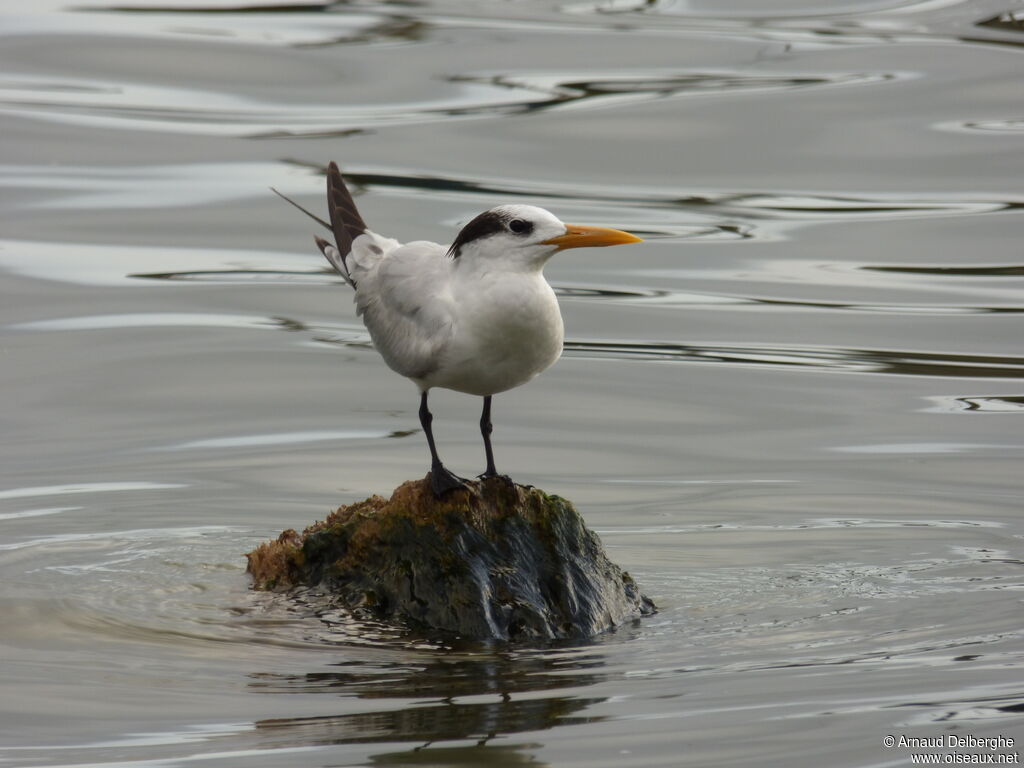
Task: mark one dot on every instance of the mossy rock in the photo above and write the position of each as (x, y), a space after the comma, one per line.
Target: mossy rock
(495, 561)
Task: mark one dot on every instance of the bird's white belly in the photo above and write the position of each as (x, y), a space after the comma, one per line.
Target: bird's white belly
(507, 336)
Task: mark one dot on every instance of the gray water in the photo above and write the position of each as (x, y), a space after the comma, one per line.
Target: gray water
(794, 413)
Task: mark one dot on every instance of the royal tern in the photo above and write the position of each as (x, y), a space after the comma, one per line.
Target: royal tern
(476, 316)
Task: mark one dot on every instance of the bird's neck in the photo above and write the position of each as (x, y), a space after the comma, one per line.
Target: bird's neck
(470, 268)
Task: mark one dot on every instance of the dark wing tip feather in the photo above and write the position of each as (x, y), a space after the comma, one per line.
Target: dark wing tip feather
(337, 260)
(346, 222)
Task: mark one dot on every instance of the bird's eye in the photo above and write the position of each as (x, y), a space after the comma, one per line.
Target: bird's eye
(519, 226)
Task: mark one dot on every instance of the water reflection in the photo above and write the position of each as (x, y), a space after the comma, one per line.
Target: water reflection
(848, 23)
(549, 90)
(943, 710)
(746, 205)
(496, 95)
(283, 438)
(218, 9)
(116, 100)
(428, 724)
(829, 358)
(1000, 126)
(723, 214)
(445, 678)
(253, 23)
(1010, 21)
(1009, 270)
(436, 687)
(806, 581)
(658, 297)
(977, 404)
(493, 756)
(901, 362)
(843, 359)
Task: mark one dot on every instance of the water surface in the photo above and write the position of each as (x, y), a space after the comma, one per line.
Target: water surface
(793, 414)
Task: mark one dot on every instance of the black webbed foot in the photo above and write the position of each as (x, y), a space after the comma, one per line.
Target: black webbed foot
(489, 475)
(443, 480)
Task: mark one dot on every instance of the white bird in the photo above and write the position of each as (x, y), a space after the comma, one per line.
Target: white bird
(476, 316)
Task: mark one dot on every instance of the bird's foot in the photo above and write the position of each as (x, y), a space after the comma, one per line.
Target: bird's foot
(492, 474)
(442, 480)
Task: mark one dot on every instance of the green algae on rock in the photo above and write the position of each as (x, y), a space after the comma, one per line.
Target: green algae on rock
(494, 561)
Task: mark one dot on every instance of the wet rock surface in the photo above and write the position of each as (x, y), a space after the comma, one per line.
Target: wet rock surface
(496, 561)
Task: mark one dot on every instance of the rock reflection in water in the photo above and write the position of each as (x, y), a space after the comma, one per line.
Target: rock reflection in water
(443, 682)
(428, 724)
(492, 756)
(443, 678)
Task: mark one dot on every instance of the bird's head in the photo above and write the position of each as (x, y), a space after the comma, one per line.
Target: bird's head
(528, 236)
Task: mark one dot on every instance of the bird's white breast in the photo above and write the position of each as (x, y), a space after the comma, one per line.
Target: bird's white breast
(507, 329)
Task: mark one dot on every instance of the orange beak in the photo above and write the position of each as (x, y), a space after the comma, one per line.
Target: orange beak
(579, 236)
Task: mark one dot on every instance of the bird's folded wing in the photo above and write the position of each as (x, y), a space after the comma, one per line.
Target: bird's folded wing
(406, 303)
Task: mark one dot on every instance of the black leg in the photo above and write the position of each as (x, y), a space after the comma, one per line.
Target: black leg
(485, 430)
(441, 480)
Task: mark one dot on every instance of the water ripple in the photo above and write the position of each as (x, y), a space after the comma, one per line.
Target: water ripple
(680, 213)
(296, 26)
(633, 294)
(1010, 21)
(836, 24)
(691, 300)
(76, 488)
(745, 205)
(127, 103)
(841, 359)
(1002, 270)
(667, 298)
(283, 438)
(549, 90)
(1009, 125)
(822, 358)
(945, 709)
(156, 187)
(824, 523)
(905, 363)
(144, 320)
(116, 265)
(917, 449)
(498, 94)
(977, 404)
(37, 512)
